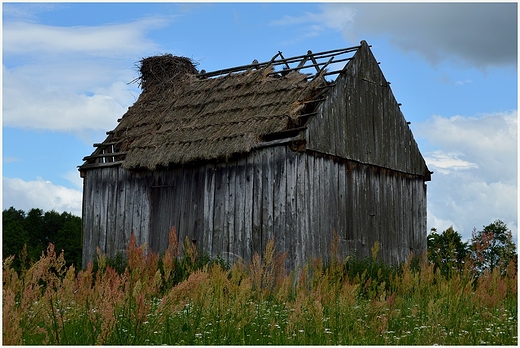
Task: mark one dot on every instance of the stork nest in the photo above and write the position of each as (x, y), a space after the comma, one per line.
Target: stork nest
(156, 70)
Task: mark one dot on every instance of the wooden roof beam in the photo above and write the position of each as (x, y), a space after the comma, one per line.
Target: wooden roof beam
(285, 61)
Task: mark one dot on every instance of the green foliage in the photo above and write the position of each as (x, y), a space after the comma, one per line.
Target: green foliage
(447, 251)
(373, 274)
(493, 247)
(27, 235)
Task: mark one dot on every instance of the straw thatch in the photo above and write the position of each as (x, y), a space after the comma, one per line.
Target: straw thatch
(164, 69)
(181, 118)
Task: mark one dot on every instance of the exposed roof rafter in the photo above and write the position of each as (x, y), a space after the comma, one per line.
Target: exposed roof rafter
(317, 61)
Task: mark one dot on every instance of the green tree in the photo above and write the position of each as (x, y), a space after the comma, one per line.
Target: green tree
(446, 250)
(68, 238)
(14, 235)
(35, 230)
(493, 247)
(33, 224)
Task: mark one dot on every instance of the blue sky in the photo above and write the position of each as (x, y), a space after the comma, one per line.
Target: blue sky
(67, 68)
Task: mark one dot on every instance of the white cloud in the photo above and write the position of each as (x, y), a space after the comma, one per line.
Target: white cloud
(475, 170)
(72, 78)
(445, 163)
(30, 104)
(41, 194)
(488, 141)
(333, 16)
(102, 41)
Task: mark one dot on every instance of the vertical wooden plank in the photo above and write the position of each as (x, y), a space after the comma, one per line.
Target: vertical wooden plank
(180, 204)
(218, 239)
(187, 209)
(399, 214)
(335, 222)
(197, 204)
(355, 206)
(342, 198)
(164, 214)
(267, 197)
(209, 204)
(257, 202)
(145, 208)
(134, 209)
(312, 203)
(249, 198)
(378, 126)
(279, 196)
(292, 227)
(302, 208)
(229, 208)
(392, 216)
(423, 218)
(349, 202)
(112, 211)
(239, 209)
(102, 209)
(361, 212)
(120, 210)
(369, 212)
(128, 212)
(137, 211)
(382, 207)
(321, 177)
(87, 220)
(340, 117)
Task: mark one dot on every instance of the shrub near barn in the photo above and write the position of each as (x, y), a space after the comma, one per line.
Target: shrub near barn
(164, 299)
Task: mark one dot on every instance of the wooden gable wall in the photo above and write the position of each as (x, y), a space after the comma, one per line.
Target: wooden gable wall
(362, 121)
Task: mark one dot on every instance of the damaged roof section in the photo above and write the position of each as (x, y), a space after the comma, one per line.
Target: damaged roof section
(184, 115)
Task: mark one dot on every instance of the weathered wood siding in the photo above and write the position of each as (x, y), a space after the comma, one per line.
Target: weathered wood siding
(362, 121)
(115, 204)
(232, 209)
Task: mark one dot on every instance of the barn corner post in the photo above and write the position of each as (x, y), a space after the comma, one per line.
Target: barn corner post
(285, 148)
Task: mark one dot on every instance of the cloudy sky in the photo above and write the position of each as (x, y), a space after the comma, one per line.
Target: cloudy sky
(67, 68)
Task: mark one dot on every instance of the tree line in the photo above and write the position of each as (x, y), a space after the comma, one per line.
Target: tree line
(489, 248)
(27, 235)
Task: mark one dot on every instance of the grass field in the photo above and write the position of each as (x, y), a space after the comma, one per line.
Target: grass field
(165, 300)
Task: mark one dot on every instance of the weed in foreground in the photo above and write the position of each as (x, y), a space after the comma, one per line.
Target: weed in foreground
(191, 300)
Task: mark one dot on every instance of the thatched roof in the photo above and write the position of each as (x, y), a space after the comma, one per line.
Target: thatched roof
(184, 116)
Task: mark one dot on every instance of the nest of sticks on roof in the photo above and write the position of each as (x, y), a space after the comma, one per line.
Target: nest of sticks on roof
(167, 68)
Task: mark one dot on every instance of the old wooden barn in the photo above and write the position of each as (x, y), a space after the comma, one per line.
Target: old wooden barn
(291, 149)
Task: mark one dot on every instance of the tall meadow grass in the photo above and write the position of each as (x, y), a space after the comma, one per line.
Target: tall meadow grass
(165, 299)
